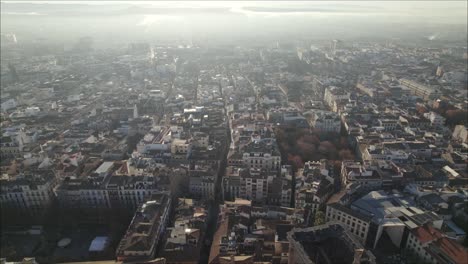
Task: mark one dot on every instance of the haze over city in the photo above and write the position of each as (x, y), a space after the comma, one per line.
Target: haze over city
(234, 132)
(210, 21)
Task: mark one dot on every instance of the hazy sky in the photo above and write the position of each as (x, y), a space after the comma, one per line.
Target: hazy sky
(124, 20)
(440, 11)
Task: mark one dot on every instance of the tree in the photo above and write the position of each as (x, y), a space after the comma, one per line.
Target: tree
(456, 117)
(319, 218)
(328, 149)
(311, 138)
(345, 154)
(306, 150)
(295, 161)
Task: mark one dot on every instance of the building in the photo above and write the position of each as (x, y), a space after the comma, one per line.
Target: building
(157, 143)
(431, 246)
(460, 134)
(114, 185)
(388, 124)
(145, 230)
(184, 238)
(325, 121)
(110, 192)
(356, 223)
(202, 180)
(8, 104)
(251, 234)
(315, 186)
(263, 154)
(280, 188)
(421, 90)
(360, 174)
(247, 183)
(392, 214)
(436, 119)
(333, 96)
(225, 247)
(319, 245)
(379, 152)
(9, 148)
(30, 193)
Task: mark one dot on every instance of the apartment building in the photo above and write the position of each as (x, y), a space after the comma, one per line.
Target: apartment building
(333, 95)
(359, 173)
(357, 224)
(326, 121)
(145, 230)
(9, 149)
(107, 192)
(421, 90)
(30, 192)
(432, 246)
(202, 180)
(263, 154)
(319, 244)
(252, 184)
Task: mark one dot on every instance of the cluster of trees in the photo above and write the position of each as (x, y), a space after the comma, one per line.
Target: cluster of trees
(301, 145)
(454, 116)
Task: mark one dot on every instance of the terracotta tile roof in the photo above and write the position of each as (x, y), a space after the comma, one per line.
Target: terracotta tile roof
(215, 247)
(426, 234)
(441, 248)
(451, 249)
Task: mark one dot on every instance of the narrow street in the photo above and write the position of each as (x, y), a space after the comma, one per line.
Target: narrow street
(213, 207)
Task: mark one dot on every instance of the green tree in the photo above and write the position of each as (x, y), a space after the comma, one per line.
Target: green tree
(319, 218)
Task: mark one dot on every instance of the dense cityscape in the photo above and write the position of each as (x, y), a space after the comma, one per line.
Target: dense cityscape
(290, 151)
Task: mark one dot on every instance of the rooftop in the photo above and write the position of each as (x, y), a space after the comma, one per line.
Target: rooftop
(320, 244)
